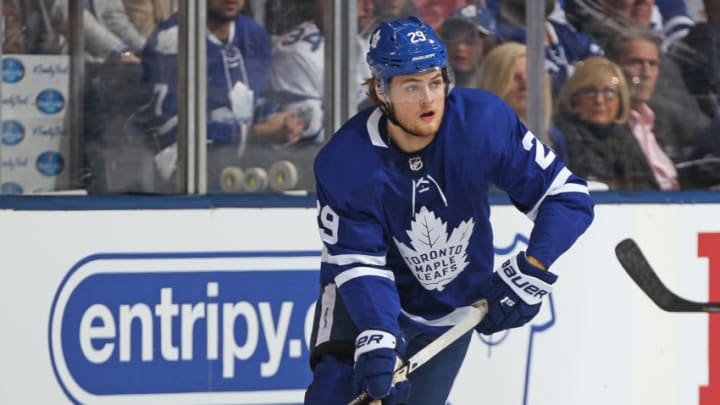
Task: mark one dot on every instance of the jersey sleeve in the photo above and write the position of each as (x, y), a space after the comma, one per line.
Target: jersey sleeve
(354, 251)
(540, 186)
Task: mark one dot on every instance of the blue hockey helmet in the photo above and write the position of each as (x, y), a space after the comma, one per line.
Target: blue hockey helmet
(403, 47)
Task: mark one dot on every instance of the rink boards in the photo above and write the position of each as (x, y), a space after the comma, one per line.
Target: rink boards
(191, 306)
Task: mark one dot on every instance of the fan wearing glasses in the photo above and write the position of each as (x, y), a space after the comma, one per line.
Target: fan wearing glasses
(597, 142)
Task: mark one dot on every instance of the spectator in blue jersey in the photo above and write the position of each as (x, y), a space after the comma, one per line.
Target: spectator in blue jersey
(238, 57)
(563, 44)
(592, 112)
(403, 214)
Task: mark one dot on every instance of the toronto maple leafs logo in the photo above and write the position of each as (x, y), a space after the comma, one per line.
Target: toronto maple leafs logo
(434, 258)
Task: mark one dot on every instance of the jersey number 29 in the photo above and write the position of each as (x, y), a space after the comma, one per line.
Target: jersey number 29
(329, 223)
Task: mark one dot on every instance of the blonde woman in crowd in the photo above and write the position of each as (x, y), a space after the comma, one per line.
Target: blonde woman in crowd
(598, 144)
(504, 72)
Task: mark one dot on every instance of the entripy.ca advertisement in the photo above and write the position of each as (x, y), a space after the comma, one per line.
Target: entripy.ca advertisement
(185, 328)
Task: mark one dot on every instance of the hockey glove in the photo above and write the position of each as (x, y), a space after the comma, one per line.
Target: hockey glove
(518, 288)
(376, 353)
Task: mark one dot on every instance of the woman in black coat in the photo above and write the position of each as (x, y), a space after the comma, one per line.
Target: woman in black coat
(594, 137)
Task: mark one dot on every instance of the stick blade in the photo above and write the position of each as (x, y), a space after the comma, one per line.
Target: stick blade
(638, 268)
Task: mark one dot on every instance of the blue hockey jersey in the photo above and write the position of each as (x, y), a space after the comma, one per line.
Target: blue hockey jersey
(409, 235)
(237, 79)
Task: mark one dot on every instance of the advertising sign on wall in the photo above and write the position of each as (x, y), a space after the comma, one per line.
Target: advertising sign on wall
(214, 306)
(35, 143)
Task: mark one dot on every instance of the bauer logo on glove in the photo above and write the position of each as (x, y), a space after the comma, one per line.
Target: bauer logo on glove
(529, 289)
(518, 288)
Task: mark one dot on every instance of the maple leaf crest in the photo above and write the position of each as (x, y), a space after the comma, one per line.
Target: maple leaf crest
(434, 258)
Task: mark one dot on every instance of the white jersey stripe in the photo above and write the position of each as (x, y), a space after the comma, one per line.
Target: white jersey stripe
(558, 186)
(373, 128)
(355, 272)
(327, 306)
(343, 260)
(571, 188)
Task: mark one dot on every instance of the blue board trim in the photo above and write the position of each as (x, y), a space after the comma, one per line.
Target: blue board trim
(210, 201)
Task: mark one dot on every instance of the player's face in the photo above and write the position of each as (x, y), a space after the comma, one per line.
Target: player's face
(599, 102)
(641, 64)
(418, 101)
(516, 97)
(224, 10)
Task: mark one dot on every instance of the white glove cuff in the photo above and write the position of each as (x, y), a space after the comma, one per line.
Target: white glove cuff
(530, 289)
(371, 339)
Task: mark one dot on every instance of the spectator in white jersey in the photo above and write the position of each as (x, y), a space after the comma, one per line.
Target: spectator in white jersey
(298, 59)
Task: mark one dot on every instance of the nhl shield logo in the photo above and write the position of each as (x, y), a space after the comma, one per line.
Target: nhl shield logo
(415, 163)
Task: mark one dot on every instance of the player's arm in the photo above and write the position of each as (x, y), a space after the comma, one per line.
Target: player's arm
(558, 201)
(354, 258)
(542, 187)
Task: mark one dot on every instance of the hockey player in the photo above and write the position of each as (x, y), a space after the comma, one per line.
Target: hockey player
(404, 217)
(238, 56)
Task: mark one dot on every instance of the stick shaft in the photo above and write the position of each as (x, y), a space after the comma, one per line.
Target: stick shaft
(477, 313)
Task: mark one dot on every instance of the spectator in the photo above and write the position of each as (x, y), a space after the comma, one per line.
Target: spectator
(14, 40)
(671, 100)
(435, 12)
(698, 55)
(504, 72)
(602, 19)
(296, 75)
(389, 9)
(100, 43)
(468, 35)
(146, 15)
(666, 135)
(238, 56)
(40, 33)
(112, 14)
(563, 45)
(592, 111)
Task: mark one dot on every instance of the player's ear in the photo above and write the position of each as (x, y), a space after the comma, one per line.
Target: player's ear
(380, 91)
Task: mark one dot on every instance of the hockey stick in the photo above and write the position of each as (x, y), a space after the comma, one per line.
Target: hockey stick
(635, 264)
(435, 347)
